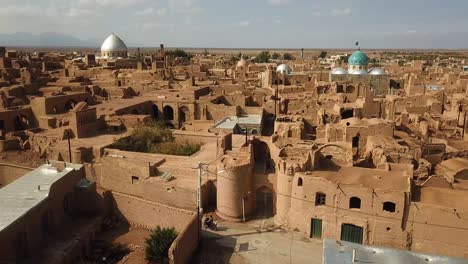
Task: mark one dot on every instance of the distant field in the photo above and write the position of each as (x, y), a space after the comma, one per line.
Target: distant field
(235, 51)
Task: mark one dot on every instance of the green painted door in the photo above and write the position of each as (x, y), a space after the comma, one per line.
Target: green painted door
(351, 233)
(316, 228)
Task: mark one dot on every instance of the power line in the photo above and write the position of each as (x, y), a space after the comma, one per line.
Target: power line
(360, 212)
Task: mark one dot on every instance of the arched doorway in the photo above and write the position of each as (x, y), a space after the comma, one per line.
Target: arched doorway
(183, 114)
(168, 113)
(264, 202)
(262, 157)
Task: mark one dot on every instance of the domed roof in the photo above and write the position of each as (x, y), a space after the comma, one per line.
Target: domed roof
(242, 63)
(358, 58)
(377, 72)
(339, 71)
(359, 72)
(113, 43)
(283, 69)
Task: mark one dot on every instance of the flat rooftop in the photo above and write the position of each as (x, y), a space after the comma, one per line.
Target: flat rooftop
(371, 178)
(20, 196)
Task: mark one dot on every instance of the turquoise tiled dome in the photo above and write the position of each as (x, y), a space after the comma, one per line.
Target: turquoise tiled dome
(358, 58)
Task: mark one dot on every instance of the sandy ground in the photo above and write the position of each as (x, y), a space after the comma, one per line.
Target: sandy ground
(257, 242)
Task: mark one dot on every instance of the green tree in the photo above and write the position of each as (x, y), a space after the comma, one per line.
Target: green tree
(275, 56)
(288, 56)
(263, 57)
(178, 53)
(158, 244)
(155, 137)
(323, 54)
(206, 53)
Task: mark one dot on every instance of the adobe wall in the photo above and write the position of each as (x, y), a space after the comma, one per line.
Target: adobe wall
(115, 176)
(379, 227)
(182, 249)
(10, 173)
(438, 230)
(30, 223)
(149, 214)
(194, 137)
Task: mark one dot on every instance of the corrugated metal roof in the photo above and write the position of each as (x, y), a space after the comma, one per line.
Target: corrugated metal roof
(341, 252)
(231, 121)
(20, 196)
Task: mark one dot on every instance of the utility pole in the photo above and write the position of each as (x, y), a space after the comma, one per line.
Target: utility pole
(246, 134)
(69, 146)
(276, 94)
(464, 125)
(200, 206)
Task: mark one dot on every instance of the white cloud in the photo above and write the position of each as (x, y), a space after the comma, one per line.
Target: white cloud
(19, 10)
(341, 12)
(279, 21)
(245, 23)
(411, 32)
(79, 12)
(151, 12)
(109, 3)
(280, 2)
(317, 14)
(184, 6)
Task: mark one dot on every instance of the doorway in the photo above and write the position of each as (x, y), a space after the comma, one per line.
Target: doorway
(264, 203)
(351, 233)
(316, 228)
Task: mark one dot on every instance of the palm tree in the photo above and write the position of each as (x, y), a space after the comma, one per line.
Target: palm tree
(158, 244)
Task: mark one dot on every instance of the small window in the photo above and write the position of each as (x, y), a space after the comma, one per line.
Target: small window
(135, 179)
(354, 202)
(299, 181)
(389, 207)
(320, 198)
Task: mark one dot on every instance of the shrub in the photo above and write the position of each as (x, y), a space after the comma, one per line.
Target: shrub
(158, 244)
(263, 57)
(288, 56)
(155, 137)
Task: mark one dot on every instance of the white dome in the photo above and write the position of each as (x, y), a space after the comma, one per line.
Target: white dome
(377, 72)
(283, 69)
(339, 71)
(113, 43)
(359, 72)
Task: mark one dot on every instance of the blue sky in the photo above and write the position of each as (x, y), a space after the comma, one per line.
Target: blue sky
(248, 23)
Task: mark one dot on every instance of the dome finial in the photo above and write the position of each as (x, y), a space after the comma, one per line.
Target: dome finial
(357, 45)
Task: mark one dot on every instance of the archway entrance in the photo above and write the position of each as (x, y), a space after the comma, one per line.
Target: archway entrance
(262, 157)
(168, 113)
(264, 202)
(183, 115)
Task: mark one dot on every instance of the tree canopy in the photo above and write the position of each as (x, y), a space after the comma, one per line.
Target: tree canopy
(263, 57)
